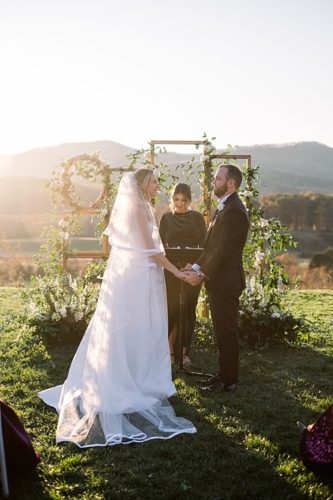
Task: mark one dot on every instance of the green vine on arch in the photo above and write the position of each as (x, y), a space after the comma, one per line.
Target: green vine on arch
(56, 299)
(89, 167)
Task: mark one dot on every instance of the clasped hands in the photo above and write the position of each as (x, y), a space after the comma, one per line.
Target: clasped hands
(189, 275)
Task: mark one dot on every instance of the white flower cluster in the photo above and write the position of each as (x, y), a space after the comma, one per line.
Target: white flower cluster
(280, 286)
(256, 300)
(63, 224)
(208, 150)
(263, 222)
(59, 299)
(258, 258)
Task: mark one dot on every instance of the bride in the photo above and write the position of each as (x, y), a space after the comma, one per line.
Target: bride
(119, 382)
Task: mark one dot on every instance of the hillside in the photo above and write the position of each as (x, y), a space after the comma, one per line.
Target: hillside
(40, 162)
(293, 168)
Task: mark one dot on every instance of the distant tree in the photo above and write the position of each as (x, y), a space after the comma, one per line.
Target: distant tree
(322, 259)
(325, 213)
(303, 211)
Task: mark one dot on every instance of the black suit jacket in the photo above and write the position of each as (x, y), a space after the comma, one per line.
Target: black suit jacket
(221, 260)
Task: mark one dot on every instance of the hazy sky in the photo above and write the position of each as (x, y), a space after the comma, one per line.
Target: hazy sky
(247, 71)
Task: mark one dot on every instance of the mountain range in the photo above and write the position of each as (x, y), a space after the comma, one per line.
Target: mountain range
(293, 168)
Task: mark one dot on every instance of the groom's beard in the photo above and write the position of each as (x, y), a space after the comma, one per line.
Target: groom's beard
(220, 191)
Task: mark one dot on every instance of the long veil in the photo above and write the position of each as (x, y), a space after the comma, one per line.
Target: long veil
(132, 224)
(120, 378)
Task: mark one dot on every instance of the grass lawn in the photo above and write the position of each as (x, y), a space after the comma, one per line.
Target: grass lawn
(247, 442)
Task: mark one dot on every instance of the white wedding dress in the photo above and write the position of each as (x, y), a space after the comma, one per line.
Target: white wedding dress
(120, 377)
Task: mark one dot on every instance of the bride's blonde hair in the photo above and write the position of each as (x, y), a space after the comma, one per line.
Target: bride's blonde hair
(143, 176)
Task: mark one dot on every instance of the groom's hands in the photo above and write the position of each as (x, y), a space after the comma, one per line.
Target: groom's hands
(192, 278)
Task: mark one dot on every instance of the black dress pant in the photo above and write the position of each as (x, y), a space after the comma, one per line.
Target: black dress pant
(224, 306)
(191, 294)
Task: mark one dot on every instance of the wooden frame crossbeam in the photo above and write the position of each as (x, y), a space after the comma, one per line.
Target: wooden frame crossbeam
(231, 157)
(176, 142)
(105, 243)
(85, 254)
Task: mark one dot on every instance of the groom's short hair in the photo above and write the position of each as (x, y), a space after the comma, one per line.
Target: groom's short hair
(235, 173)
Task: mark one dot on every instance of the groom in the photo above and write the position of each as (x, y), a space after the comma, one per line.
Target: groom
(220, 267)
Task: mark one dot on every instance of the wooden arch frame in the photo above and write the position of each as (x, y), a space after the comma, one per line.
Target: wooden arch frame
(105, 244)
(215, 156)
(90, 254)
(155, 142)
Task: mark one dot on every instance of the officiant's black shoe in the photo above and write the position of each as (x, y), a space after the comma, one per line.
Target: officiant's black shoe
(218, 386)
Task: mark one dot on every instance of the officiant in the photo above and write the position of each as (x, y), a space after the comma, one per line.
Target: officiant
(182, 227)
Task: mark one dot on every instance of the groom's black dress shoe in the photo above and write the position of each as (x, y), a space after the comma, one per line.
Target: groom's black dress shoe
(218, 386)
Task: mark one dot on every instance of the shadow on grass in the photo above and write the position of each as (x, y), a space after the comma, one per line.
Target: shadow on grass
(210, 465)
(246, 445)
(278, 387)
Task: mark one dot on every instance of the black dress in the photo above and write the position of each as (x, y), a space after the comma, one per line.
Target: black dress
(182, 230)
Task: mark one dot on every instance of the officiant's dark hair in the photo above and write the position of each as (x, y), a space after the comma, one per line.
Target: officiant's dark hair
(235, 173)
(181, 188)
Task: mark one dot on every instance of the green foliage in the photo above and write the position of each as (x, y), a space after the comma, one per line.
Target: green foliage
(58, 305)
(52, 298)
(262, 325)
(262, 319)
(204, 338)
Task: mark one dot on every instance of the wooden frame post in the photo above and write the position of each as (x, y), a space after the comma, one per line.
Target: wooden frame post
(90, 254)
(213, 156)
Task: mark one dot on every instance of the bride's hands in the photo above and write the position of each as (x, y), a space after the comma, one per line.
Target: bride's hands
(179, 274)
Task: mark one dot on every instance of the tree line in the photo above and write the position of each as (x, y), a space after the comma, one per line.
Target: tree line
(303, 211)
(24, 215)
